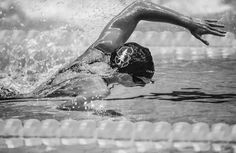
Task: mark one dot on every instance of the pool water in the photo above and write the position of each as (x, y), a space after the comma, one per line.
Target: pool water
(191, 91)
(193, 83)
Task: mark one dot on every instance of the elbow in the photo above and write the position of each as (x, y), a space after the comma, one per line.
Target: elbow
(139, 3)
(137, 8)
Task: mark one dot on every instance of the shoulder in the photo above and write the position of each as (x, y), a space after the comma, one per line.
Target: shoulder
(91, 55)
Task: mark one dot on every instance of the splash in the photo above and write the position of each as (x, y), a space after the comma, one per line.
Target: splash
(39, 37)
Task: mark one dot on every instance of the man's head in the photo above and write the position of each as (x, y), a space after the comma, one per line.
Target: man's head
(135, 63)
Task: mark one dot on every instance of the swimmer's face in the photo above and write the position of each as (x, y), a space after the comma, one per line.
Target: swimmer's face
(130, 81)
(134, 65)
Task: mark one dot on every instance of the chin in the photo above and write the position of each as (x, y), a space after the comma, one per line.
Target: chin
(141, 85)
(128, 85)
(131, 84)
(134, 85)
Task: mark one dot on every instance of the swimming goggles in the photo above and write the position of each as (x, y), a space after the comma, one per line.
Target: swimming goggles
(123, 56)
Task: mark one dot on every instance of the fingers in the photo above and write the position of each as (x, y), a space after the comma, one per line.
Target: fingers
(215, 28)
(204, 41)
(217, 25)
(211, 21)
(201, 39)
(218, 30)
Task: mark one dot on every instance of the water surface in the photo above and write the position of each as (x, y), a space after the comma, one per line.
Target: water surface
(191, 91)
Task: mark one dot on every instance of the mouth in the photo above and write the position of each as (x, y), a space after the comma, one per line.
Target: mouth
(140, 85)
(142, 81)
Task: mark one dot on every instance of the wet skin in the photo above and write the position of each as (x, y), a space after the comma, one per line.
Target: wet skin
(88, 77)
(84, 79)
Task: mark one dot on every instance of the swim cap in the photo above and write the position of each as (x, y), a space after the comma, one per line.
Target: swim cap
(133, 59)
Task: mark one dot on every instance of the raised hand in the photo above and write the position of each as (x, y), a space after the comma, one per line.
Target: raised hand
(199, 28)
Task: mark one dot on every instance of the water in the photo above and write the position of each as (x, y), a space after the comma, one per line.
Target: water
(192, 92)
(202, 91)
(194, 83)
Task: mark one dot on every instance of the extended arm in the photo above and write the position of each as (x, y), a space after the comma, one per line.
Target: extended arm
(119, 29)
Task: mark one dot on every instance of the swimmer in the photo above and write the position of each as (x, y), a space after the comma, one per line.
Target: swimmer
(111, 60)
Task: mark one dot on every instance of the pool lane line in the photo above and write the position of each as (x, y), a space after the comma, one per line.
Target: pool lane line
(144, 135)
